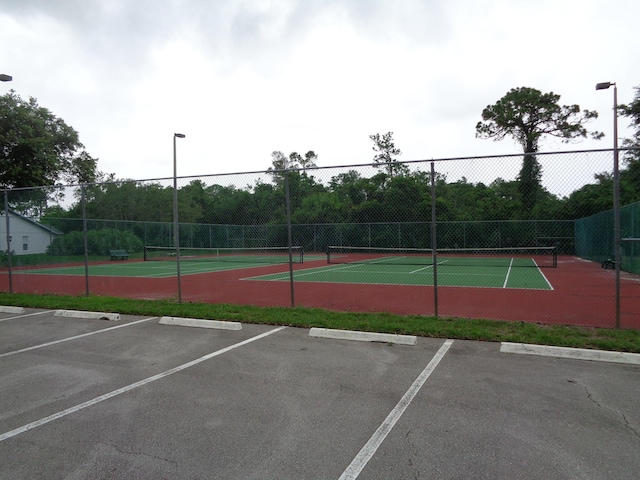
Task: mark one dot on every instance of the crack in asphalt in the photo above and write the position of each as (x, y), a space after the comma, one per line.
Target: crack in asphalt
(626, 421)
(415, 449)
(142, 454)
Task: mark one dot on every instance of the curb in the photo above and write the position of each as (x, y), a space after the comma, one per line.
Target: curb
(193, 322)
(363, 336)
(574, 353)
(81, 314)
(11, 309)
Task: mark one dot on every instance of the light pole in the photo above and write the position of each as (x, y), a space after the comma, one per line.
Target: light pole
(289, 244)
(616, 193)
(176, 233)
(7, 78)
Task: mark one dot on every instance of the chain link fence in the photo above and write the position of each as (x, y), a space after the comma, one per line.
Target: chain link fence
(263, 238)
(595, 242)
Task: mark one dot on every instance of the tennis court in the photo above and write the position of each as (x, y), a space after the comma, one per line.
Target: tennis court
(161, 262)
(501, 285)
(149, 269)
(380, 274)
(481, 268)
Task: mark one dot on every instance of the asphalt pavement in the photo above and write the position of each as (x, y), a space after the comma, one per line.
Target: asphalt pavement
(132, 398)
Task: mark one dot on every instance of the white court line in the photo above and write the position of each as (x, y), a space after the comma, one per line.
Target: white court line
(420, 269)
(365, 454)
(297, 273)
(27, 315)
(430, 266)
(106, 396)
(42, 345)
(543, 275)
(504, 285)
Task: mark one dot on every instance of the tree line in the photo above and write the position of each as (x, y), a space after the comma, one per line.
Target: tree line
(348, 197)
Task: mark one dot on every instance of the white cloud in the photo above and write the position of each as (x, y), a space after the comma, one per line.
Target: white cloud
(243, 78)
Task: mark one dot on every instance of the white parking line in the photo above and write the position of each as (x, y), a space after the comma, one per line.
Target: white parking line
(365, 454)
(42, 345)
(26, 315)
(106, 396)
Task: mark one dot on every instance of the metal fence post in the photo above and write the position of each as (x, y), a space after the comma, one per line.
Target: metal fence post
(434, 243)
(176, 224)
(83, 190)
(289, 240)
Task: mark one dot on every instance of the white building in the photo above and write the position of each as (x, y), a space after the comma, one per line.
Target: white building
(26, 236)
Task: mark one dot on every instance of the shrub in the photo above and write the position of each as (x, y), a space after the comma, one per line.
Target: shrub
(99, 242)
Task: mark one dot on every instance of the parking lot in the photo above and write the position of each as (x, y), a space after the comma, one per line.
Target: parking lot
(88, 398)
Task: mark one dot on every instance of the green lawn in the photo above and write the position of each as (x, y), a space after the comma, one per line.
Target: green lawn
(460, 328)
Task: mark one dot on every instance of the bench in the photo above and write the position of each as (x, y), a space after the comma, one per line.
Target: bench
(608, 264)
(119, 254)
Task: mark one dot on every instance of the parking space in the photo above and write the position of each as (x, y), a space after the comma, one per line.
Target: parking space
(96, 399)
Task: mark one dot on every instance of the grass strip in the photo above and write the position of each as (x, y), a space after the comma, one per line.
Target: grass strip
(455, 328)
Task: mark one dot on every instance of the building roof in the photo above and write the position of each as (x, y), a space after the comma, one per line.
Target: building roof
(46, 228)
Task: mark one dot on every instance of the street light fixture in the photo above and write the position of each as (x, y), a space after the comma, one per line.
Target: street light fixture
(616, 193)
(5, 78)
(176, 233)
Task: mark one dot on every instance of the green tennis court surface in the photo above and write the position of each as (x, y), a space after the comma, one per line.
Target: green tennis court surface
(387, 270)
(167, 267)
(161, 262)
(150, 269)
(398, 274)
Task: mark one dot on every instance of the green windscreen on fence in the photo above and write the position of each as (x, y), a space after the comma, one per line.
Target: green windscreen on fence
(595, 237)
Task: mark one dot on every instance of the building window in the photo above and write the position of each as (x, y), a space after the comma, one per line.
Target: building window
(25, 243)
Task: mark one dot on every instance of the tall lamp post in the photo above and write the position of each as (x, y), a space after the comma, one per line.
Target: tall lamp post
(7, 78)
(616, 193)
(176, 233)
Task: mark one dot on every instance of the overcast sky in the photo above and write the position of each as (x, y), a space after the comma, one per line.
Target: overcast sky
(242, 78)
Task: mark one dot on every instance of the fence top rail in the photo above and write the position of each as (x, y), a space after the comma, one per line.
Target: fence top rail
(260, 225)
(328, 167)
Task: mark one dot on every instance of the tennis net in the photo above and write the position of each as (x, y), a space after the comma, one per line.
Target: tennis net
(240, 255)
(488, 257)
